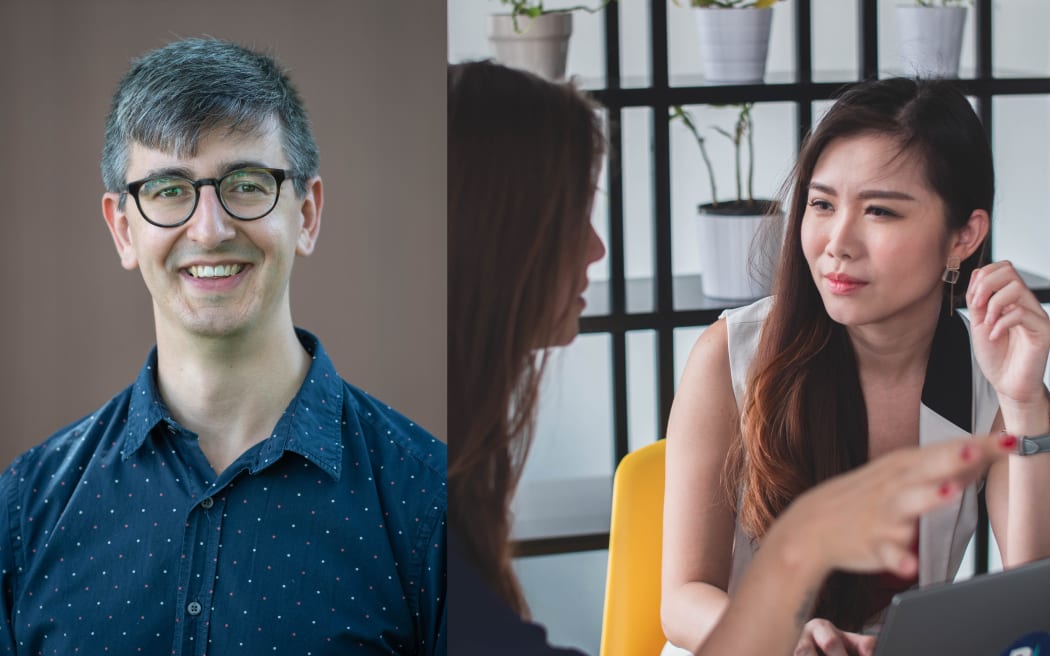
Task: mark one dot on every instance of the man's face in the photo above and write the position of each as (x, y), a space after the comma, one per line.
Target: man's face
(217, 276)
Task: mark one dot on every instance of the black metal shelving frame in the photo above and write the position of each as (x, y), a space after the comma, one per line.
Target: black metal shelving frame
(659, 96)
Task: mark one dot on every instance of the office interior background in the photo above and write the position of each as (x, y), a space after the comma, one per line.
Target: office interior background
(562, 505)
(77, 327)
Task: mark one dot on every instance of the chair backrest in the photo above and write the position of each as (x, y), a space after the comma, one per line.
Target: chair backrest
(631, 623)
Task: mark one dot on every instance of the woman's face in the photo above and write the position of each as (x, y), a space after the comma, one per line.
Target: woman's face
(571, 290)
(874, 233)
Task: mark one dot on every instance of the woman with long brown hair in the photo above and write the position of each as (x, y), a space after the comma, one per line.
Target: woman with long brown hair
(523, 158)
(859, 353)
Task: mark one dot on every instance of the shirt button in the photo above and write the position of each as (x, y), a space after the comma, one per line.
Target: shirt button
(193, 608)
(207, 503)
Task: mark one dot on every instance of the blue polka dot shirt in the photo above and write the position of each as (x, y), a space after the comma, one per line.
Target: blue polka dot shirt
(328, 537)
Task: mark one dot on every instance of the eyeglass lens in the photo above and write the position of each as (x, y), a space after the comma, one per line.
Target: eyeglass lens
(245, 193)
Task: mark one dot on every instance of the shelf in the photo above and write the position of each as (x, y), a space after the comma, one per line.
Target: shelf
(783, 78)
(688, 295)
(701, 93)
(1039, 285)
(691, 307)
(786, 79)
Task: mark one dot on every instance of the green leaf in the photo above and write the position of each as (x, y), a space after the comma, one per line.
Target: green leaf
(534, 8)
(725, 133)
(733, 4)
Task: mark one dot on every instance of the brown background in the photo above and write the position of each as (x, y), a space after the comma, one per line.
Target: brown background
(75, 327)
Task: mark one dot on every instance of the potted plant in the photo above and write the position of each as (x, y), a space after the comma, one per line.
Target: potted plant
(929, 37)
(534, 38)
(732, 241)
(734, 38)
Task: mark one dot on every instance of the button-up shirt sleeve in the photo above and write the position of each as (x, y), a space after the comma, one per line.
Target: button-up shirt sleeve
(9, 536)
(432, 604)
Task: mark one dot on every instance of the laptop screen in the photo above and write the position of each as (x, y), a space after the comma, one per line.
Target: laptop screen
(1002, 613)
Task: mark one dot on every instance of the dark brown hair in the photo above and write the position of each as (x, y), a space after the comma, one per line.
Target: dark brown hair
(522, 160)
(804, 419)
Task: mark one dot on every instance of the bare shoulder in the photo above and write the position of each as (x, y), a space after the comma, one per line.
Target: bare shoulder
(704, 403)
(710, 352)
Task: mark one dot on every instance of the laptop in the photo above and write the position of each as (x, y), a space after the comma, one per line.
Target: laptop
(988, 615)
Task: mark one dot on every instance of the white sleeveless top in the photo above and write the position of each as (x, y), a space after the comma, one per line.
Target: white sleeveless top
(957, 400)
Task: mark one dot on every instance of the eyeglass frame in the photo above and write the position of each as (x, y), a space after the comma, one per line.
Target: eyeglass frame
(279, 176)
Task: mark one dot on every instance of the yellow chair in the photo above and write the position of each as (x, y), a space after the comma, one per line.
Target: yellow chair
(631, 623)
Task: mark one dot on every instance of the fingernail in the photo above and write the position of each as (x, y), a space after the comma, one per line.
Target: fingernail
(967, 452)
(1008, 441)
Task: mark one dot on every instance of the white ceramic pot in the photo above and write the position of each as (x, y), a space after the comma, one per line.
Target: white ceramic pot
(737, 254)
(733, 43)
(929, 40)
(541, 46)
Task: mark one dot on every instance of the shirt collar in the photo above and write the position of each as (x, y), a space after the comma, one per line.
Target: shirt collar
(310, 426)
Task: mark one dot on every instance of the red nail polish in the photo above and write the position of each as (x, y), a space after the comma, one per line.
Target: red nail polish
(945, 489)
(1008, 441)
(967, 452)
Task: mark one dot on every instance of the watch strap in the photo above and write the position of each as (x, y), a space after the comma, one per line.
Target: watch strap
(1035, 444)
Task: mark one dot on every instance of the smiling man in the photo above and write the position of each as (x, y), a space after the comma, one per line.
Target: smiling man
(239, 497)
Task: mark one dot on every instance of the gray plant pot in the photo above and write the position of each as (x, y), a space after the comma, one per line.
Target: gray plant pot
(733, 43)
(929, 40)
(738, 249)
(541, 46)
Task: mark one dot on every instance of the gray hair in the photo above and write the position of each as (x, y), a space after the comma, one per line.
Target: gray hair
(173, 95)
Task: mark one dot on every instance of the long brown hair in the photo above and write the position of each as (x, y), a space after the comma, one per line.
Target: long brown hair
(522, 161)
(804, 418)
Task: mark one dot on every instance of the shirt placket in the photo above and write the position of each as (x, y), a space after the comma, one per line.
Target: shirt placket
(197, 573)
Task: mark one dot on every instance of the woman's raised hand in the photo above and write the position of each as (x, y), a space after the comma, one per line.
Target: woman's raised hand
(1011, 335)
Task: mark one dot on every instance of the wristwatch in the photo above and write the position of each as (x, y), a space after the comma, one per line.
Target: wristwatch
(1033, 445)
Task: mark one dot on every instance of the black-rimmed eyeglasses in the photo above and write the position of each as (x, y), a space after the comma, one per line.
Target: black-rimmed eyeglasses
(247, 194)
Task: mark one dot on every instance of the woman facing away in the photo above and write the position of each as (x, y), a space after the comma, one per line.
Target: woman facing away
(523, 160)
(858, 354)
